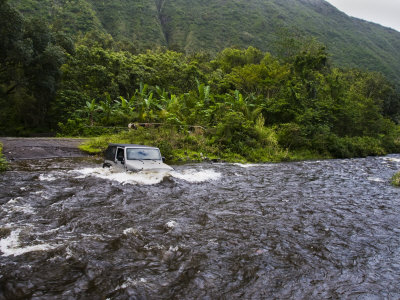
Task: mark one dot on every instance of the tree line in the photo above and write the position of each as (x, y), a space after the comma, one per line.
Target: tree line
(244, 99)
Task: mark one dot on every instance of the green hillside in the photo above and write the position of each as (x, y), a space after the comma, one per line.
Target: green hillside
(212, 25)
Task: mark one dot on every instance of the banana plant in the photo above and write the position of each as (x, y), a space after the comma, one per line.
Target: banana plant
(245, 105)
(145, 104)
(172, 112)
(204, 92)
(162, 95)
(127, 108)
(90, 108)
(107, 107)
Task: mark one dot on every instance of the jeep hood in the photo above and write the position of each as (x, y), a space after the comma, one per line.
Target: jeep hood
(139, 165)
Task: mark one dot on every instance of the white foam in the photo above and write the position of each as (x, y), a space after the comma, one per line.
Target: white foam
(10, 245)
(14, 201)
(149, 177)
(143, 177)
(171, 224)
(46, 177)
(69, 253)
(130, 283)
(131, 230)
(195, 176)
(24, 209)
(44, 196)
(248, 165)
(15, 205)
(154, 247)
(173, 249)
(394, 159)
(376, 179)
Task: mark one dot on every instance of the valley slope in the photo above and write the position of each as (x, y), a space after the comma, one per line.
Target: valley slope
(212, 25)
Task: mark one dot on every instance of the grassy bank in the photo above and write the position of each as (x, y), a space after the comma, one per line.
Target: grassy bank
(179, 146)
(3, 161)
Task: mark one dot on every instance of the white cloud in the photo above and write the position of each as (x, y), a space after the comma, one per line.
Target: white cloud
(384, 12)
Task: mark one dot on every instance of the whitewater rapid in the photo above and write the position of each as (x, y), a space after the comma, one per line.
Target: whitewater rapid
(148, 177)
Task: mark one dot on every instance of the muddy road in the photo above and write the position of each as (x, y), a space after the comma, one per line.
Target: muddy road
(38, 148)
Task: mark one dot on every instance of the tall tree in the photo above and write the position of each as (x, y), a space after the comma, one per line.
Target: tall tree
(30, 61)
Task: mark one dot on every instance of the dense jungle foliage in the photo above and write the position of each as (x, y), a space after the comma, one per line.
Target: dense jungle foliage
(190, 26)
(242, 104)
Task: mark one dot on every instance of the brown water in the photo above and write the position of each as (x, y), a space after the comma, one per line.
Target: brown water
(321, 229)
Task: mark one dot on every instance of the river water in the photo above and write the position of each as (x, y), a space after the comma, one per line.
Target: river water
(319, 229)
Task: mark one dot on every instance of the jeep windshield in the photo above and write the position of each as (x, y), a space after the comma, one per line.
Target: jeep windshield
(142, 154)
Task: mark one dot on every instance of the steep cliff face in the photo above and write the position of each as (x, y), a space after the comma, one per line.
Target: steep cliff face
(211, 25)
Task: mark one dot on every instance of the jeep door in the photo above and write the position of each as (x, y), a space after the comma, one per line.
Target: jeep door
(120, 158)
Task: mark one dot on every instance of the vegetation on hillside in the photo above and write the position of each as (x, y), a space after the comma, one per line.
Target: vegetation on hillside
(245, 104)
(242, 104)
(30, 59)
(190, 26)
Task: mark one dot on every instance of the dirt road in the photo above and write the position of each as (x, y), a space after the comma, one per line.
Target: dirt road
(37, 148)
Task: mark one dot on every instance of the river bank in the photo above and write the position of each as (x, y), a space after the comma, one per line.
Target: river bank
(177, 147)
(183, 146)
(187, 147)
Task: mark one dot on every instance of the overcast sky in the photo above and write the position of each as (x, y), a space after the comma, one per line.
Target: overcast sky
(384, 12)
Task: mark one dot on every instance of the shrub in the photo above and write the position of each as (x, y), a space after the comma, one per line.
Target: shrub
(396, 179)
(291, 135)
(236, 133)
(338, 147)
(3, 161)
(347, 147)
(78, 127)
(166, 150)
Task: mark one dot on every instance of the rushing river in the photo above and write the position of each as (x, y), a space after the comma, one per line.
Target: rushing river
(321, 229)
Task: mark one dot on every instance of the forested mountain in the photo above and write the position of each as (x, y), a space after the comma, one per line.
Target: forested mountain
(212, 25)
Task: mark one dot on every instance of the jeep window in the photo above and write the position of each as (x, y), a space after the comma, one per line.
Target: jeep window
(120, 154)
(143, 154)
